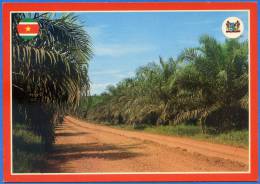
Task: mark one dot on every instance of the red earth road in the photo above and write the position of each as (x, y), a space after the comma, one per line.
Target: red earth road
(83, 147)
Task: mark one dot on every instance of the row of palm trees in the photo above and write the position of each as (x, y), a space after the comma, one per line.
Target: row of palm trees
(207, 85)
(49, 72)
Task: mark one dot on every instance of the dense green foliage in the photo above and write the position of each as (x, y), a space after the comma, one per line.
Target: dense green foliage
(206, 86)
(28, 150)
(238, 138)
(49, 72)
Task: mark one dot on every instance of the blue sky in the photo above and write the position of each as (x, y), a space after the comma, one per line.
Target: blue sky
(123, 41)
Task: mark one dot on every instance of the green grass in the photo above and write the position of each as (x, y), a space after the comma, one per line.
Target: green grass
(180, 130)
(28, 151)
(238, 138)
(234, 138)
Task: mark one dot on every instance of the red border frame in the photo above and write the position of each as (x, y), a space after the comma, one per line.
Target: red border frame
(8, 7)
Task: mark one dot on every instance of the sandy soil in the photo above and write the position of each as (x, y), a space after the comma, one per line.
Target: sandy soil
(84, 147)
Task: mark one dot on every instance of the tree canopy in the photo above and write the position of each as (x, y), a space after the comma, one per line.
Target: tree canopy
(207, 84)
(49, 72)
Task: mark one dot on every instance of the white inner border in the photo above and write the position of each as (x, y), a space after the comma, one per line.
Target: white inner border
(143, 11)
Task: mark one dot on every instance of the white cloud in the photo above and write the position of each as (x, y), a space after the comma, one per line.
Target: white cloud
(98, 88)
(101, 48)
(104, 72)
(100, 85)
(119, 74)
(113, 75)
(121, 49)
(96, 31)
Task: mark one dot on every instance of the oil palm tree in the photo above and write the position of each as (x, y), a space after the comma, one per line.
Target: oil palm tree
(207, 84)
(49, 73)
(214, 84)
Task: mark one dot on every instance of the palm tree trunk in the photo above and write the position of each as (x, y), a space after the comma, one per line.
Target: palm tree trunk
(202, 125)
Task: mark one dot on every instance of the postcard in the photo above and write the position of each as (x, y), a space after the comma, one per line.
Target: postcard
(113, 92)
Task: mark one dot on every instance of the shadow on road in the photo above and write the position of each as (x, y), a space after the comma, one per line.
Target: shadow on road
(63, 154)
(70, 134)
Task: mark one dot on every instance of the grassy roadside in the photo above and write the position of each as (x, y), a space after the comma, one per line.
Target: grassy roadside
(28, 151)
(237, 138)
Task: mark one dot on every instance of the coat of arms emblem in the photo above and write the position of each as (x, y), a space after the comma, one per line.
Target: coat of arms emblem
(233, 27)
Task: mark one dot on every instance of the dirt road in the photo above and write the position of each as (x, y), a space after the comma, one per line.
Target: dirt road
(85, 147)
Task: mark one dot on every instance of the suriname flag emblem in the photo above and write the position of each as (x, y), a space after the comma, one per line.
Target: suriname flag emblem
(28, 28)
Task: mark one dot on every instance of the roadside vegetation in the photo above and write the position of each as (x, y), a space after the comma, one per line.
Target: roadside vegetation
(238, 138)
(49, 76)
(202, 93)
(28, 150)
